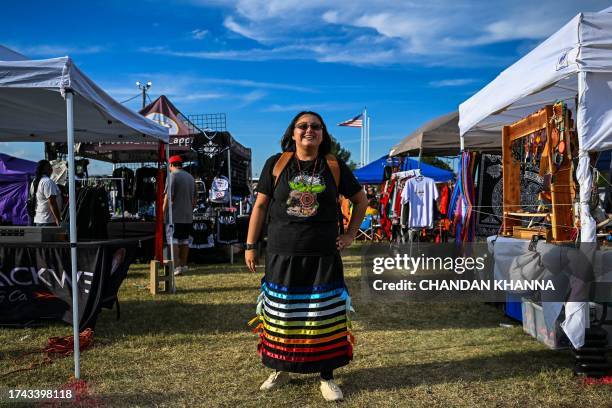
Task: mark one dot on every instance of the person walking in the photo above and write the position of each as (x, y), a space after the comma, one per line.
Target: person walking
(183, 189)
(304, 303)
(47, 196)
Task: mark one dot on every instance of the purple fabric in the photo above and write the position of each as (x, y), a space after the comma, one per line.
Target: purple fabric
(15, 176)
(13, 165)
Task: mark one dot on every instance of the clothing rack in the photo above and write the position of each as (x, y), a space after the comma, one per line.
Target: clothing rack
(121, 179)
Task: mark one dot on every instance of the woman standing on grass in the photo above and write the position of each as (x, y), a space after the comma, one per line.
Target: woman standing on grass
(304, 301)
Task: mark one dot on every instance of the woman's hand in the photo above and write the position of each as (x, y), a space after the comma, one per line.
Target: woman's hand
(344, 241)
(250, 258)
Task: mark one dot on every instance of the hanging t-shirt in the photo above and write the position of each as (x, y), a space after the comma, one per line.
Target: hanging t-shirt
(227, 232)
(421, 193)
(219, 190)
(303, 207)
(145, 188)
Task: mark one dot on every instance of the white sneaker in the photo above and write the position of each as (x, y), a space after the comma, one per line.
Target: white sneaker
(178, 271)
(275, 380)
(331, 391)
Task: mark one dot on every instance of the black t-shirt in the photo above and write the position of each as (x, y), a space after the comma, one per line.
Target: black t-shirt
(303, 208)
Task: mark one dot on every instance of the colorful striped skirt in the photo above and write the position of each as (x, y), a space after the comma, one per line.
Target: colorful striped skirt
(303, 314)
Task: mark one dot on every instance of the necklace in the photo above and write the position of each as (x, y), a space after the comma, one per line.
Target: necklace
(314, 168)
(307, 198)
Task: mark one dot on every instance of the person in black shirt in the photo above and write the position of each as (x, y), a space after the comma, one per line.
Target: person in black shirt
(304, 305)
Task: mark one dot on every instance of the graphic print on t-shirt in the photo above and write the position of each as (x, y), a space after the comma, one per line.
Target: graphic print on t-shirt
(302, 201)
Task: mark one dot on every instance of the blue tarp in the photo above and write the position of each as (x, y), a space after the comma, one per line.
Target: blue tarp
(15, 176)
(373, 172)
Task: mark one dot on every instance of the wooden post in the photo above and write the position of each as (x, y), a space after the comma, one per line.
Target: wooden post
(160, 273)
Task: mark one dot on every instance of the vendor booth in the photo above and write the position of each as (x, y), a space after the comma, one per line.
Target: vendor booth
(52, 100)
(15, 177)
(373, 173)
(553, 108)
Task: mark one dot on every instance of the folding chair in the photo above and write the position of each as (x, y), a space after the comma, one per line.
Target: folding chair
(365, 229)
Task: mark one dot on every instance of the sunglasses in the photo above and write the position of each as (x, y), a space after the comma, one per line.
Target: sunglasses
(313, 126)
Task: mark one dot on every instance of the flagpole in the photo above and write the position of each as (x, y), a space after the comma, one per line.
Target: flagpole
(368, 155)
(361, 143)
(366, 136)
(363, 126)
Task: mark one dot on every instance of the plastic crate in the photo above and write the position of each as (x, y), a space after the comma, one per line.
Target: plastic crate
(534, 324)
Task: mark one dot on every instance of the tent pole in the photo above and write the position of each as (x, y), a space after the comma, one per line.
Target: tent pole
(170, 221)
(461, 143)
(229, 177)
(73, 232)
(420, 156)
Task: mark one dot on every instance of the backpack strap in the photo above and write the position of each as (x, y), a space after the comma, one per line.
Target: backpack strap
(280, 165)
(332, 163)
(284, 158)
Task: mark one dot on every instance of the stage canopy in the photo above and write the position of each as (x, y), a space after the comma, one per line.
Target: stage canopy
(440, 137)
(374, 171)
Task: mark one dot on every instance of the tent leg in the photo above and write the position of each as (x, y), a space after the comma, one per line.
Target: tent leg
(73, 233)
(170, 221)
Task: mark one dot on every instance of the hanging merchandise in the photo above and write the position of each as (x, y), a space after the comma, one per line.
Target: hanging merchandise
(125, 192)
(463, 200)
(202, 232)
(144, 189)
(227, 232)
(420, 192)
(219, 191)
(60, 172)
(92, 213)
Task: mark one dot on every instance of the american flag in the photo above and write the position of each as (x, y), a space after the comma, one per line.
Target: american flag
(357, 121)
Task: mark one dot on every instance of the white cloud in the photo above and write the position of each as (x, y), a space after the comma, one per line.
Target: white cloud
(307, 106)
(364, 32)
(198, 34)
(232, 25)
(452, 82)
(196, 96)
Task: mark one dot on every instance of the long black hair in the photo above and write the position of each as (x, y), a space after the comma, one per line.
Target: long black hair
(288, 144)
(42, 167)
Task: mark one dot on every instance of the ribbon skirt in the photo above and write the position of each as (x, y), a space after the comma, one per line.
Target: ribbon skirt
(303, 314)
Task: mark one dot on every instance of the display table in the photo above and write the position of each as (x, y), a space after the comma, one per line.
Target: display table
(579, 275)
(35, 280)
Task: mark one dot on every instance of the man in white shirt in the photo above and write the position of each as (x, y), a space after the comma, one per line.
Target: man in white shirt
(47, 195)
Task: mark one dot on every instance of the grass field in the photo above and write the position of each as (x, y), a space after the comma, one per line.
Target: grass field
(194, 349)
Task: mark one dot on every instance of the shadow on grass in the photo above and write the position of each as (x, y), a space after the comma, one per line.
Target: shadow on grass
(384, 314)
(138, 399)
(479, 369)
(171, 317)
(218, 290)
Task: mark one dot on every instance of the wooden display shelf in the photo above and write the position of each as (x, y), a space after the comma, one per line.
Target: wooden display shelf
(528, 233)
(562, 189)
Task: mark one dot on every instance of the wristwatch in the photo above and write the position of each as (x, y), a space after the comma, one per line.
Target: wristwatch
(248, 247)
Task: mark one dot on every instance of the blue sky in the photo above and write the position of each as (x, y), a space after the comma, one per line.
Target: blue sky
(261, 62)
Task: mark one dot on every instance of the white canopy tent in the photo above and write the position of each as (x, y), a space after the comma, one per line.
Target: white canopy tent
(573, 65)
(51, 100)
